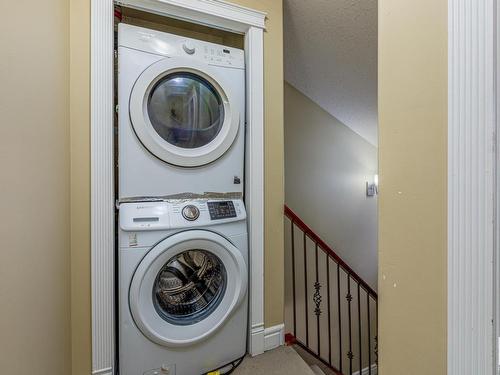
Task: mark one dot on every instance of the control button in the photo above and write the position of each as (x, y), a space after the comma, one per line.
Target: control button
(221, 210)
(190, 212)
(189, 48)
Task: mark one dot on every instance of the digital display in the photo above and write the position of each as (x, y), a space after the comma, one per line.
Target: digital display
(145, 219)
(221, 210)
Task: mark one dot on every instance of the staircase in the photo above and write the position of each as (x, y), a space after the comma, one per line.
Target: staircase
(330, 312)
(316, 369)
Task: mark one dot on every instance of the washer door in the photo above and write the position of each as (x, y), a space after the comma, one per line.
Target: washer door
(186, 287)
(183, 113)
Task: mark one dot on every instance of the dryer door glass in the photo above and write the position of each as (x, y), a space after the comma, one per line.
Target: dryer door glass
(189, 287)
(185, 110)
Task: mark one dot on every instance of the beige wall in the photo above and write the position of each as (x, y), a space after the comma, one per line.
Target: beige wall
(412, 200)
(34, 160)
(80, 179)
(81, 352)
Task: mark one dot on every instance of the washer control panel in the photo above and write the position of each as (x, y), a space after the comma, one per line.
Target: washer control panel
(221, 210)
(143, 216)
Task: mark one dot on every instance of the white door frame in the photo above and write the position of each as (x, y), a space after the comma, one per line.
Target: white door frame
(472, 186)
(496, 256)
(215, 13)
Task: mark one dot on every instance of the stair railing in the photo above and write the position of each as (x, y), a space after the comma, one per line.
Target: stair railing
(337, 326)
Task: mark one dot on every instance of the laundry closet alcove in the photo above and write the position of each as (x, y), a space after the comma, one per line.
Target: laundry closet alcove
(216, 14)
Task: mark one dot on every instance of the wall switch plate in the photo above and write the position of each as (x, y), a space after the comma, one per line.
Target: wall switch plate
(371, 190)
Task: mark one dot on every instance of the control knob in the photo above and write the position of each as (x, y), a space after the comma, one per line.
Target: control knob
(190, 212)
(189, 48)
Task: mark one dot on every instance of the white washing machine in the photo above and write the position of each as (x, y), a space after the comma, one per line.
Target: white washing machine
(182, 286)
(181, 123)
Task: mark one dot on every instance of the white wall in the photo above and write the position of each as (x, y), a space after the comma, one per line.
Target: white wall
(326, 169)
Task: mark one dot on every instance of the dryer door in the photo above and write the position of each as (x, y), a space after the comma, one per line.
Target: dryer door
(183, 112)
(186, 287)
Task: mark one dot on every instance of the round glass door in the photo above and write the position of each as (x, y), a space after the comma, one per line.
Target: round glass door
(186, 287)
(189, 287)
(183, 112)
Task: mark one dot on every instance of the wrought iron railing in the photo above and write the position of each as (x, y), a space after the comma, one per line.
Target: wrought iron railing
(338, 325)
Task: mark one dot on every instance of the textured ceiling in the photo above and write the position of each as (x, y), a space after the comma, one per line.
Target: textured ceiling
(331, 57)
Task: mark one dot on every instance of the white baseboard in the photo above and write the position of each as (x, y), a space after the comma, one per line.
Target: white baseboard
(256, 340)
(365, 371)
(104, 371)
(274, 336)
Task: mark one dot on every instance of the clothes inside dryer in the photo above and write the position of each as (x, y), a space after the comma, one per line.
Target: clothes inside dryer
(189, 287)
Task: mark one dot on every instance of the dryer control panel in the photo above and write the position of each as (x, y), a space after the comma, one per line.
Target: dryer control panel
(171, 45)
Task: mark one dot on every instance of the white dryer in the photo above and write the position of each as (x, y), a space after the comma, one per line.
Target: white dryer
(182, 286)
(181, 123)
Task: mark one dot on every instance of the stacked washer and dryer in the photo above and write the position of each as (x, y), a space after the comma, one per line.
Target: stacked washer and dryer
(183, 248)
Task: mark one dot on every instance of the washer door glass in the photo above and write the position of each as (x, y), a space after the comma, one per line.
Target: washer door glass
(185, 110)
(189, 287)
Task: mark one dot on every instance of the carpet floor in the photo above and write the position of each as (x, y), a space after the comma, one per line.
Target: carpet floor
(281, 361)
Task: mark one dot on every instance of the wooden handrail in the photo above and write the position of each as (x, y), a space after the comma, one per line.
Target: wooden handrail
(327, 249)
